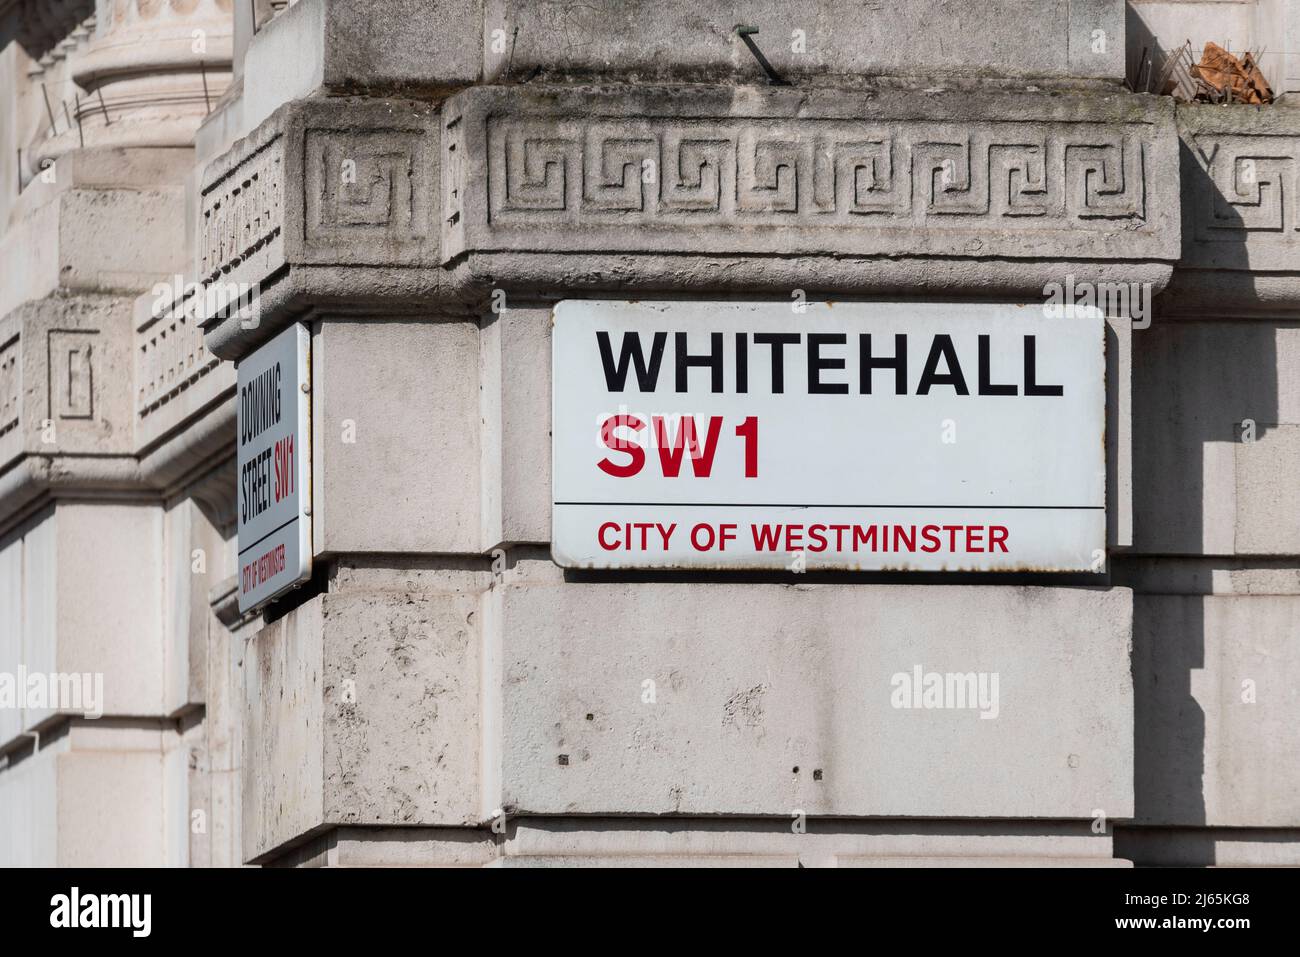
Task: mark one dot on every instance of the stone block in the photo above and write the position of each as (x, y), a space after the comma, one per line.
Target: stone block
(1215, 404)
(111, 221)
(74, 401)
(1160, 27)
(791, 689)
(516, 377)
(352, 45)
(29, 828)
(361, 708)
(395, 436)
(1215, 681)
(1279, 20)
(96, 611)
(285, 60)
(110, 599)
(369, 48)
(1119, 433)
(121, 799)
(98, 794)
(11, 626)
(197, 557)
(1268, 492)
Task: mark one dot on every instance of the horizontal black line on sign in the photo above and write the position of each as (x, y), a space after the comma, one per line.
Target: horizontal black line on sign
(1041, 508)
(268, 535)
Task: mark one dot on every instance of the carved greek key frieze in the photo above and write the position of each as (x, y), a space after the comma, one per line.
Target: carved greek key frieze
(693, 174)
(567, 172)
(811, 173)
(371, 182)
(1256, 180)
(1241, 196)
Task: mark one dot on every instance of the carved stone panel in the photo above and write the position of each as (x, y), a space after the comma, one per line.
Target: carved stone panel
(1243, 175)
(369, 193)
(62, 364)
(241, 219)
(842, 175)
(332, 182)
(327, 200)
(1241, 210)
(10, 382)
(72, 373)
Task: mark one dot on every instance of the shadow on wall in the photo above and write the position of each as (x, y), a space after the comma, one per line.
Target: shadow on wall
(1143, 54)
(1194, 383)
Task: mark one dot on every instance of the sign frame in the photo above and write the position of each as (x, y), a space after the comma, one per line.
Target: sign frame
(1060, 537)
(274, 537)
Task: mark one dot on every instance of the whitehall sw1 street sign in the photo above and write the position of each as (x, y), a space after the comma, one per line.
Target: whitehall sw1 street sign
(871, 436)
(274, 460)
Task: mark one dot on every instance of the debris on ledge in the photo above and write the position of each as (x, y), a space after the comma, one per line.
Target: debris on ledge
(1225, 79)
(1219, 77)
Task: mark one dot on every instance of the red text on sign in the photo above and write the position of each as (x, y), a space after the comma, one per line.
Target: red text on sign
(673, 441)
(284, 471)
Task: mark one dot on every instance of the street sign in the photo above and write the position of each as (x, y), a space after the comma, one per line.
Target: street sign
(863, 436)
(274, 462)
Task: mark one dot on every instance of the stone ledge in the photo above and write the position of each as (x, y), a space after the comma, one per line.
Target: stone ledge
(333, 203)
(702, 841)
(69, 427)
(353, 45)
(1208, 846)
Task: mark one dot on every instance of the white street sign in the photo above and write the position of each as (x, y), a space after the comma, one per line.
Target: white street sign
(274, 461)
(872, 436)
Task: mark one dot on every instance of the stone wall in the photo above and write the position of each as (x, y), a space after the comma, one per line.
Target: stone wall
(441, 693)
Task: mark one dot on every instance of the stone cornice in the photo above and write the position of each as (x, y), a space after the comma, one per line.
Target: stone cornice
(71, 423)
(329, 203)
(752, 172)
(31, 480)
(346, 204)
